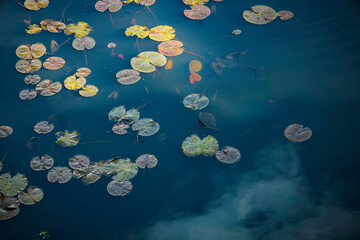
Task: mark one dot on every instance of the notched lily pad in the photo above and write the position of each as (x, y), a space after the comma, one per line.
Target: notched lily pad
(73, 83)
(120, 128)
(67, 139)
(228, 155)
(197, 12)
(83, 72)
(119, 113)
(26, 51)
(48, 88)
(162, 33)
(54, 63)
(52, 26)
(128, 76)
(27, 94)
(260, 14)
(79, 29)
(146, 127)
(171, 48)
(5, 131)
(32, 79)
(123, 169)
(28, 66)
(10, 186)
(9, 207)
(81, 43)
(147, 62)
(36, 4)
(111, 5)
(297, 133)
(146, 160)
(285, 15)
(119, 189)
(43, 127)
(32, 196)
(195, 102)
(89, 91)
(193, 146)
(79, 162)
(59, 174)
(136, 30)
(40, 163)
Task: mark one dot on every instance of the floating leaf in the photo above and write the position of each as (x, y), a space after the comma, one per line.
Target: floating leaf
(146, 127)
(207, 120)
(193, 146)
(10, 186)
(195, 66)
(54, 63)
(33, 29)
(52, 26)
(9, 207)
(195, 102)
(162, 33)
(59, 174)
(27, 94)
(36, 4)
(120, 113)
(128, 76)
(28, 66)
(43, 127)
(89, 91)
(194, 77)
(54, 46)
(32, 196)
(195, 2)
(67, 139)
(83, 72)
(81, 43)
(119, 189)
(79, 162)
(297, 133)
(26, 51)
(236, 32)
(111, 5)
(73, 83)
(146, 62)
(48, 88)
(260, 14)
(171, 48)
(79, 29)
(90, 173)
(120, 128)
(285, 15)
(32, 79)
(146, 160)
(228, 155)
(197, 12)
(5, 131)
(44, 162)
(146, 2)
(139, 31)
(123, 169)
(169, 65)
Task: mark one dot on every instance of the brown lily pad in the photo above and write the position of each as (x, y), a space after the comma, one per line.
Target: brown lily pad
(197, 12)
(48, 88)
(27, 94)
(54, 63)
(297, 133)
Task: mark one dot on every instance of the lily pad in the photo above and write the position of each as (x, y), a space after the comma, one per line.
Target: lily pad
(195, 66)
(146, 160)
(111, 5)
(73, 83)
(9, 207)
(171, 48)
(260, 14)
(59, 174)
(79, 162)
(32, 196)
(147, 62)
(162, 33)
(52, 26)
(79, 29)
(54, 63)
(119, 189)
(193, 146)
(120, 128)
(195, 2)
(33, 29)
(146, 127)
(10, 186)
(27, 94)
(128, 76)
(5, 131)
(194, 77)
(285, 15)
(89, 91)
(43, 127)
(139, 31)
(297, 133)
(28, 66)
(83, 72)
(48, 88)
(67, 139)
(207, 120)
(197, 12)
(44, 162)
(36, 4)
(146, 2)
(228, 155)
(123, 169)
(195, 102)
(81, 43)
(32, 79)
(26, 51)
(120, 113)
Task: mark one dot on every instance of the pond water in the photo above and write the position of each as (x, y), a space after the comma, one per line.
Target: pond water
(304, 70)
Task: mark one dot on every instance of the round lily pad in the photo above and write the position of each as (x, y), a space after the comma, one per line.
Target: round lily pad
(89, 91)
(43, 127)
(297, 133)
(171, 48)
(228, 155)
(146, 160)
(44, 162)
(48, 88)
(67, 139)
(83, 42)
(73, 83)
(5, 131)
(195, 102)
(119, 189)
(59, 174)
(79, 162)
(123, 169)
(191, 146)
(32, 196)
(195, 66)
(111, 5)
(36, 4)
(146, 62)
(209, 146)
(146, 127)
(52, 26)
(28, 66)
(9, 207)
(27, 94)
(54, 63)
(83, 72)
(285, 15)
(10, 186)
(120, 128)
(117, 113)
(195, 2)
(26, 51)
(197, 12)
(128, 76)
(79, 29)
(260, 14)
(162, 33)
(32, 79)
(136, 30)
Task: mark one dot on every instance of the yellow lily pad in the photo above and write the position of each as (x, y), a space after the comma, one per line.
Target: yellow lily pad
(26, 51)
(147, 62)
(89, 91)
(33, 29)
(36, 4)
(162, 33)
(195, 2)
(139, 31)
(28, 66)
(79, 29)
(73, 83)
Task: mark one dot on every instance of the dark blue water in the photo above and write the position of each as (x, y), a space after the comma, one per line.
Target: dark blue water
(278, 190)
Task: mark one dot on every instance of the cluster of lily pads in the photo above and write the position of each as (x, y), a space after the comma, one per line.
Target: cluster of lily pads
(261, 14)
(159, 33)
(78, 81)
(145, 126)
(12, 186)
(46, 25)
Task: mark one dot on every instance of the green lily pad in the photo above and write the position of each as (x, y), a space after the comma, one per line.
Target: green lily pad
(10, 186)
(123, 169)
(195, 102)
(32, 196)
(59, 174)
(193, 146)
(146, 127)
(120, 113)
